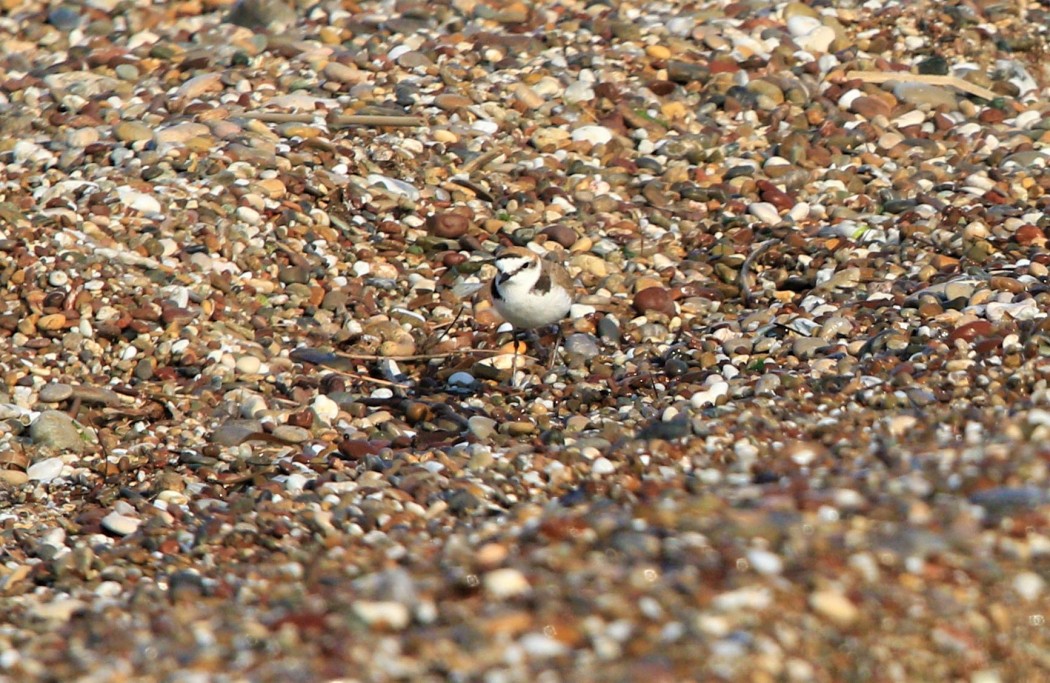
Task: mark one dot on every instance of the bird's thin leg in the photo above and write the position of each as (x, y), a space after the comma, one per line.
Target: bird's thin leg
(554, 351)
(514, 360)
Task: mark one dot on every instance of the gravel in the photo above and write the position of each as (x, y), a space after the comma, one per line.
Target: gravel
(260, 421)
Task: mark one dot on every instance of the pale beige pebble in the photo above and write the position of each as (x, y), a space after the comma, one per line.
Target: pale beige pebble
(901, 424)
(444, 135)
(291, 433)
(527, 96)
(225, 129)
(818, 40)
(248, 215)
(325, 408)
(330, 35)
(386, 614)
(132, 131)
(518, 428)
(13, 477)
(82, 137)
(57, 610)
(181, 132)
(51, 322)
(452, 101)
(402, 346)
(548, 138)
(834, 606)
(273, 188)
(343, 73)
(490, 554)
(890, 139)
(590, 264)
(798, 9)
(386, 270)
(262, 286)
(248, 365)
(198, 85)
(582, 245)
(121, 525)
(658, 52)
(1029, 586)
(253, 406)
(501, 584)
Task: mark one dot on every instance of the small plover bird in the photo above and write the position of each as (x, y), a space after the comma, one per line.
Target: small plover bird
(531, 292)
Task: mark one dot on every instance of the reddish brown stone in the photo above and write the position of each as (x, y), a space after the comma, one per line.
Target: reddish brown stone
(971, 331)
(657, 299)
(1029, 234)
(448, 225)
(869, 107)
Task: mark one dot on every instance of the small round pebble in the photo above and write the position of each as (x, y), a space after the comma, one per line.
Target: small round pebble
(120, 525)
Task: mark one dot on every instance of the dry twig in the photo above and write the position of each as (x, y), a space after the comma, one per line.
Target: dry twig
(338, 120)
(953, 81)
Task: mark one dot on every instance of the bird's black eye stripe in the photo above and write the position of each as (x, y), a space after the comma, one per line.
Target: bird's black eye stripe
(507, 276)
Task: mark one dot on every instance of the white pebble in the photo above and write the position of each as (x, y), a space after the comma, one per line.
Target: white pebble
(581, 311)
(834, 606)
(138, 201)
(249, 215)
(765, 562)
(817, 40)
(602, 466)
(248, 365)
(1029, 586)
(119, 524)
(325, 408)
(748, 598)
(596, 135)
(799, 25)
(578, 92)
(501, 584)
(252, 406)
(295, 483)
(1028, 119)
(847, 98)
(710, 395)
(109, 589)
(45, 470)
(799, 212)
(765, 212)
(58, 279)
(542, 646)
(485, 127)
(393, 615)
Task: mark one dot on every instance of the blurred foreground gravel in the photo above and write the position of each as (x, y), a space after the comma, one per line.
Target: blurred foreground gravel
(252, 427)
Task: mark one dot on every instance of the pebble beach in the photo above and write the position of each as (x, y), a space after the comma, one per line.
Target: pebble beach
(260, 421)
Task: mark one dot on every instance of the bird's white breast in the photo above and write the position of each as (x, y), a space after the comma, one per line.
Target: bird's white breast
(525, 308)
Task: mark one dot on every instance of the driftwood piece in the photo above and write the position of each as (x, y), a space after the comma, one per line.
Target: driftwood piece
(338, 120)
(905, 77)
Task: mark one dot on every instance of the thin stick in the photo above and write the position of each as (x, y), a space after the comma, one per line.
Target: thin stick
(480, 162)
(445, 329)
(744, 278)
(338, 121)
(954, 81)
(372, 380)
(418, 356)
